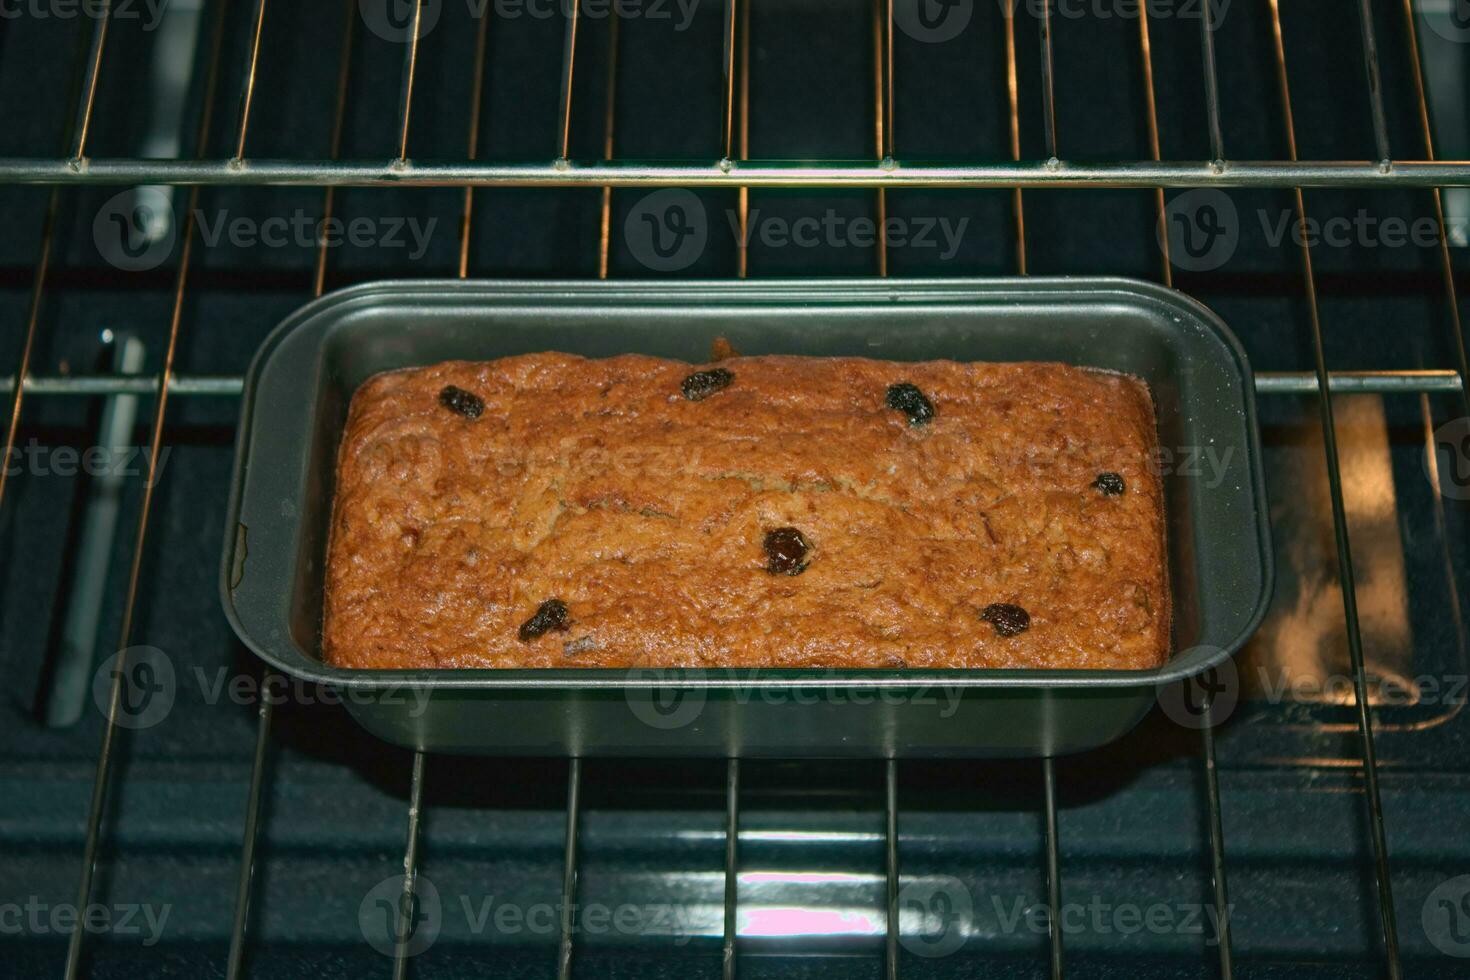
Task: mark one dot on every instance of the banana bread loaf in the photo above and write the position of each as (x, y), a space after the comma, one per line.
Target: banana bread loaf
(550, 510)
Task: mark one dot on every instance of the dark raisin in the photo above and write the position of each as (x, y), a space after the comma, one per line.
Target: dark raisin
(550, 615)
(701, 384)
(1007, 619)
(461, 402)
(785, 549)
(1111, 484)
(908, 399)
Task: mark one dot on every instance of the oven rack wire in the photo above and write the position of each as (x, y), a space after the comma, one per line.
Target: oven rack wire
(736, 172)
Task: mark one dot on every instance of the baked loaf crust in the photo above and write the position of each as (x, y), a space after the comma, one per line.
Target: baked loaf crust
(1019, 526)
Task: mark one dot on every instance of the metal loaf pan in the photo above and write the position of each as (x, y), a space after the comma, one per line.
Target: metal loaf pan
(295, 405)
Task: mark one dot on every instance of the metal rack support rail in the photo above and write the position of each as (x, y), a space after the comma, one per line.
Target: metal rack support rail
(559, 172)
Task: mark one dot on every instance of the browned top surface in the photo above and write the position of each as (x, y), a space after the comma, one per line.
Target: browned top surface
(597, 482)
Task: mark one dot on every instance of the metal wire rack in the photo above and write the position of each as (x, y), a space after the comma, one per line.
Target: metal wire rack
(885, 170)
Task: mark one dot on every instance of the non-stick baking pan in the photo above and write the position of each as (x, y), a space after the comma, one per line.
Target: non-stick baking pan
(295, 406)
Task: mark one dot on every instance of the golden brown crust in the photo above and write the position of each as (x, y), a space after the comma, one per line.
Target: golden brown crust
(596, 482)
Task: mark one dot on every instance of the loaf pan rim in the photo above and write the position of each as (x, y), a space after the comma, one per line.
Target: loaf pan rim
(811, 291)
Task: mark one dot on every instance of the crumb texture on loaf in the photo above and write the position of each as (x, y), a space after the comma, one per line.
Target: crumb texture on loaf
(598, 483)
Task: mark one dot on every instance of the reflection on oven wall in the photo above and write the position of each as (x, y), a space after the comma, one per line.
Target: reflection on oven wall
(1447, 28)
(1301, 651)
(1299, 658)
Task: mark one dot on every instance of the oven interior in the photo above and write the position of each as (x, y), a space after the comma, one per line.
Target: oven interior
(269, 836)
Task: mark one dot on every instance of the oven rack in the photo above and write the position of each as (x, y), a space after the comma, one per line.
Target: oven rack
(736, 172)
